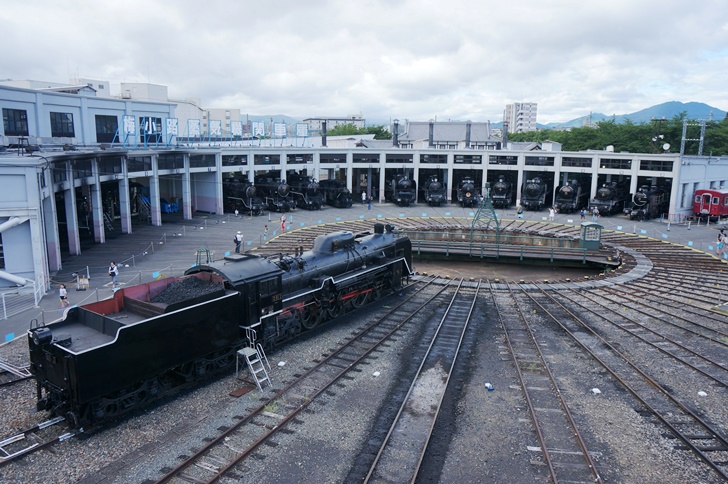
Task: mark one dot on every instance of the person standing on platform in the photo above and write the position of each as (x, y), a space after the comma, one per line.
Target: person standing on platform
(238, 239)
(363, 198)
(582, 214)
(114, 273)
(265, 232)
(283, 222)
(369, 203)
(552, 214)
(595, 214)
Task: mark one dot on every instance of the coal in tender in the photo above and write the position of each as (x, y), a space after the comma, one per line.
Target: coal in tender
(184, 289)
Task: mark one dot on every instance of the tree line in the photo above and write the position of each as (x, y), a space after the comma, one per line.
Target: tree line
(646, 137)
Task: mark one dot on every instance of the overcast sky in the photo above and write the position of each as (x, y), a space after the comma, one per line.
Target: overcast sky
(417, 60)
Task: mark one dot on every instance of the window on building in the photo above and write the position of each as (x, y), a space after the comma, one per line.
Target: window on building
(339, 158)
(470, 159)
(540, 160)
(110, 165)
(81, 169)
(656, 165)
(62, 125)
(106, 128)
(234, 160)
(15, 122)
(202, 161)
(440, 159)
(139, 163)
(616, 163)
(171, 161)
(575, 161)
(503, 160)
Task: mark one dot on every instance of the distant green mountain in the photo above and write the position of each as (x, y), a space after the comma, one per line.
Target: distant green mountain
(667, 110)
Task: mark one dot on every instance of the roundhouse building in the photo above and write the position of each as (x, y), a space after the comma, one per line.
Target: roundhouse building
(60, 194)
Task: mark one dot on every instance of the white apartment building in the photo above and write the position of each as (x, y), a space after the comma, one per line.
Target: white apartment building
(521, 117)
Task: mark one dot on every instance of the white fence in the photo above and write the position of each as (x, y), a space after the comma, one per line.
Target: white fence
(17, 300)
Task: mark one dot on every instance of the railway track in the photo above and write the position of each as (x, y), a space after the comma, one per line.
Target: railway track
(400, 455)
(10, 374)
(224, 453)
(561, 446)
(698, 435)
(33, 439)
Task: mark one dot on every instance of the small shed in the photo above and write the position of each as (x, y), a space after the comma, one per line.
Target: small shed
(591, 236)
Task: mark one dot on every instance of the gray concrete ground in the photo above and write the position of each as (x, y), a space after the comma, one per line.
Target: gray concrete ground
(168, 250)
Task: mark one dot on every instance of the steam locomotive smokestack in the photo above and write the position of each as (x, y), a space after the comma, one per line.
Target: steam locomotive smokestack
(323, 133)
(431, 138)
(468, 128)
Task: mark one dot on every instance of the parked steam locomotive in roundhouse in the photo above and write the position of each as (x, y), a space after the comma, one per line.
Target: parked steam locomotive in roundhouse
(401, 190)
(570, 197)
(467, 193)
(648, 202)
(610, 198)
(435, 192)
(306, 192)
(241, 196)
(275, 193)
(533, 196)
(501, 194)
(335, 193)
(106, 358)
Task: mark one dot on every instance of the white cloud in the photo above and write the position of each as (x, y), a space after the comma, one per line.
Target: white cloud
(461, 59)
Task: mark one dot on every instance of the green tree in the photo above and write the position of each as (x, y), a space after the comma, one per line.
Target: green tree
(343, 130)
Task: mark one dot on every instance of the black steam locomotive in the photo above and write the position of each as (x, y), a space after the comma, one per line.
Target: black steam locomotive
(501, 193)
(242, 196)
(306, 192)
(106, 358)
(610, 198)
(468, 194)
(335, 193)
(401, 190)
(648, 202)
(275, 193)
(570, 197)
(435, 192)
(533, 195)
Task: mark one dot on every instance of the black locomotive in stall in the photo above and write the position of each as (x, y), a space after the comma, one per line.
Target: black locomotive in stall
(570, 197)
(610, 198)
(335, 193)
(533, 195)
(648, 202)
(435, 192)
(241, 196)
(501, 193)
(401, 190)
(106, 358)
(306, 192)
(467, 193)
(276, 193)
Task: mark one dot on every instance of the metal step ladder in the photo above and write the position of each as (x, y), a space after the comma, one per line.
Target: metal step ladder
(20, 371)
(107, 222)
(255, 358)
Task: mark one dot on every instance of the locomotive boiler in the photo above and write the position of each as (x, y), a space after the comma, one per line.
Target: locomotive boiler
(467, 193)
(335, 193)
(306, 192)
(401, 190)
(109, 357)
(242, 196)
(435, 192)
(648, 202)
(570, 197)
(275, 194)
(610, 198)
(533, 195)
(501, 193)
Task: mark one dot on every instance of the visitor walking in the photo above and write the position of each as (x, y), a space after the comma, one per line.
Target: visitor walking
(63, 295)
(238, 239)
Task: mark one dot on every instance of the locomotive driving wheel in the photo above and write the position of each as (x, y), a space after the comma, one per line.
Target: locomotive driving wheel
(309, 315)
